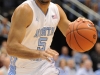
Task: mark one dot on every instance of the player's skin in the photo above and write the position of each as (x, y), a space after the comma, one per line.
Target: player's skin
(21, 19)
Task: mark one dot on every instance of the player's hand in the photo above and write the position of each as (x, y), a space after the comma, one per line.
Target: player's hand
(84, 20)
(48, 54)
(81, 19)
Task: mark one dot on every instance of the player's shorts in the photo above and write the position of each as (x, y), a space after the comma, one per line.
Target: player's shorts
(42, 69)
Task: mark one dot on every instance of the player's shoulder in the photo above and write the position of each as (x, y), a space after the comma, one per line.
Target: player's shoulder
(53, 4)
(23, 8)
(56, 5)
(23, 13)
(61, 12)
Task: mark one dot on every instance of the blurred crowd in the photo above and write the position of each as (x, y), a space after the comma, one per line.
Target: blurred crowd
(79, 63)
(68, 64)
(4, 58)
(74, 64)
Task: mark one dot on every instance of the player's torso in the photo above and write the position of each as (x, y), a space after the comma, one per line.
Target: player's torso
(39, 34)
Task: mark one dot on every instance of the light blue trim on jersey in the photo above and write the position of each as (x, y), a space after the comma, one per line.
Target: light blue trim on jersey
(12, 68)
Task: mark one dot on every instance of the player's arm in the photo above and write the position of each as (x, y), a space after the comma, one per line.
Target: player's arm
(64, 22)
(21, 19)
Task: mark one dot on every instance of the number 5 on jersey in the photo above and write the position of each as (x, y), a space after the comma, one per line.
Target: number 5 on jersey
(42, 43)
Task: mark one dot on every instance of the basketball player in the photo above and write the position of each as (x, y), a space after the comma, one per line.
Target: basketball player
(32, 27)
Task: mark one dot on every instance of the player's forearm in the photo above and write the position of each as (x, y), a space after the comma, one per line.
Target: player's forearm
(21, 51)
(64, 26)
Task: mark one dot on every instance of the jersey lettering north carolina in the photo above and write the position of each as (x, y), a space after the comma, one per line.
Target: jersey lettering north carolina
(38, 36)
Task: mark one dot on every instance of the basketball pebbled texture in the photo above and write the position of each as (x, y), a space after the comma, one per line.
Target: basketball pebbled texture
(81, 36)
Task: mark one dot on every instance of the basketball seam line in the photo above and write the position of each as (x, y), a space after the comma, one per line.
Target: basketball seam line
(70, 38)
(84, 36)
(80, 29)
(76, 39)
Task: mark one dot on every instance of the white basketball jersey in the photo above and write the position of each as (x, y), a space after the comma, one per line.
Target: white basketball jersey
(38, 35)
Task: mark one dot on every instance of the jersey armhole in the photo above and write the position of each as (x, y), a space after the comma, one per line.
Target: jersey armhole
(58, 13)
(30, 5)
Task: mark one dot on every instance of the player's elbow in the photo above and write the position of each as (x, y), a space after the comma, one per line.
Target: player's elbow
(11, 49)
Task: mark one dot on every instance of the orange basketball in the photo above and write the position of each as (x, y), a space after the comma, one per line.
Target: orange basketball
(81, 36)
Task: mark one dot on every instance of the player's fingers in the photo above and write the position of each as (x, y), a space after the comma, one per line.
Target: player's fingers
(47, 55)
(79, 19)
(84, 20)
(71, 23)
(46, 58)
(56, 53)
(52, 52)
